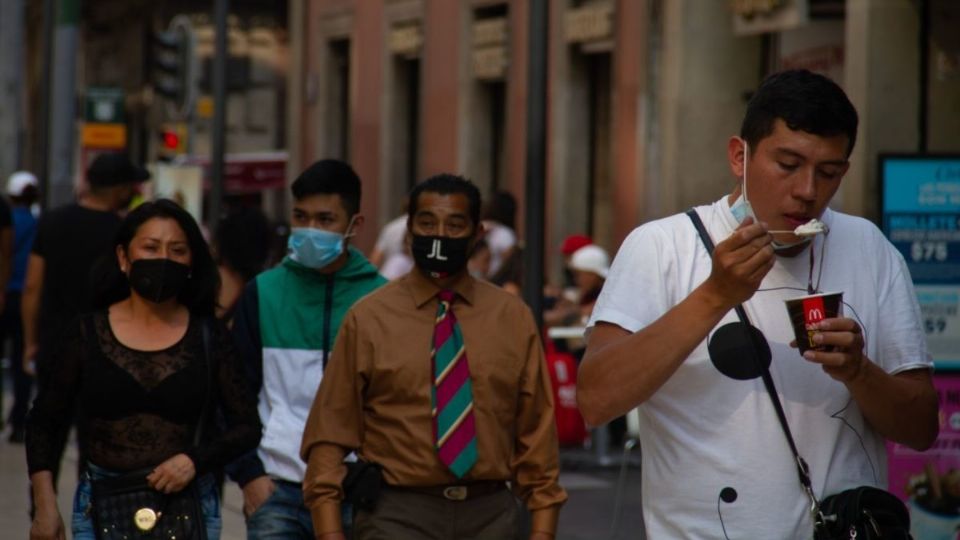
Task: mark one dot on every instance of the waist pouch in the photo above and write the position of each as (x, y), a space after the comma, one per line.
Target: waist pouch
(126, 507)
(362, 484)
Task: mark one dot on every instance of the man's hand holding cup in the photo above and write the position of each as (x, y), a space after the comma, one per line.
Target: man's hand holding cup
(824, 336)
(840, 348)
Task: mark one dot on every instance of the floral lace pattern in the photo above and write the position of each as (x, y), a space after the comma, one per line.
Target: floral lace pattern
(138, 408)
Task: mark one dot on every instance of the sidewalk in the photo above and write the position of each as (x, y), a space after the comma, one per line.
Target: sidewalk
(588, 515)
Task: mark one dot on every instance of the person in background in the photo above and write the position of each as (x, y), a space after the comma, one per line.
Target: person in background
(569, 246)
(479, 263)
(23, 190)
(6, 249)
(440, 379)
(510, 275)
(241, 246)
(590, 266)
(391, 253)
(69, 240)
(561, 304)
(139, 369)
(499, 224)
(284, 326)
(6, 262)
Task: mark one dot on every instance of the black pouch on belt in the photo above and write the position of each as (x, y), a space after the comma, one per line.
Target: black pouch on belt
(362, 484)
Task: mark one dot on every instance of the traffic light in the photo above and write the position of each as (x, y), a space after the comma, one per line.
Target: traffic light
(172, 65)
(172, 141)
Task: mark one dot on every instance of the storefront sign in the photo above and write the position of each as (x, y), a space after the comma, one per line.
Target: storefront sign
(921, 214)
(490, 32)
(490, 49)
(929, 482)
(752, 17)
(818, 46)
(406, 40)
(245, 173)
(921, 217)
(590, 23)
(490, 63)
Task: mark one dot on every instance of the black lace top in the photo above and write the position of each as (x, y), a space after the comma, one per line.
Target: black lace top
(136, 408)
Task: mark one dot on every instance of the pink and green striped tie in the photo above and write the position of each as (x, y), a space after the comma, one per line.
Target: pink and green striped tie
(454, 428)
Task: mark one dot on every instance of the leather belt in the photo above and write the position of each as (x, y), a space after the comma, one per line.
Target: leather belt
(457, 492)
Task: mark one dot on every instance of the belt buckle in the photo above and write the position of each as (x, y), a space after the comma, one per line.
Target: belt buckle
(455, 493)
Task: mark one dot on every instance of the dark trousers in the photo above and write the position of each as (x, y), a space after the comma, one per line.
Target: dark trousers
(11, 327)
(407, 515)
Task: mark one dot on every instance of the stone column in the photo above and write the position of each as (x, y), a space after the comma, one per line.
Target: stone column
(882, 70)
(705, 71)
(12, 23)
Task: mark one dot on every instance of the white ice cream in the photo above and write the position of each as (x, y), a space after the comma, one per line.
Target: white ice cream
(811, 228)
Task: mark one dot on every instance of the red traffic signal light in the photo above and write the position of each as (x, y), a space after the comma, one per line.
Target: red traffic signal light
(171, 140)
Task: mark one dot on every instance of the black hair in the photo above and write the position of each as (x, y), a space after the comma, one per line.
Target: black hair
(502, 208)
(199, 295)
(243, 241)
(330, 177)
(805, 101)
(27, 197)
(446, 184)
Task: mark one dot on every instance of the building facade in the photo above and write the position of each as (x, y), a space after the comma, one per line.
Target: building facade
(642, 97)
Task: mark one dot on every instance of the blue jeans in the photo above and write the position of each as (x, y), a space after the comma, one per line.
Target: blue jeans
(283, 516)
(82, 521)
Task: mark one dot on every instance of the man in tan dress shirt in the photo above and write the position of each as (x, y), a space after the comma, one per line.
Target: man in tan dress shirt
(377, 396)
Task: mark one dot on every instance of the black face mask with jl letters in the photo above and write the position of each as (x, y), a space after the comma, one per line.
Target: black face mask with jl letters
(440, 256)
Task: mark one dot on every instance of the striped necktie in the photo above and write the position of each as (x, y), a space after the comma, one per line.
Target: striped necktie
(453, 423)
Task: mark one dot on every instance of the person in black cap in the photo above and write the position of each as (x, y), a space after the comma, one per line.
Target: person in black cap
(69, 240)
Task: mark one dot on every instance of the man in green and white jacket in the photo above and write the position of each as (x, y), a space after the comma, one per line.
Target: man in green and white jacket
(284, 327)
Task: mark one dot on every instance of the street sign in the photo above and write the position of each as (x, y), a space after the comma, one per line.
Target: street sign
(103, 112)
(106, 136)
(104, 105)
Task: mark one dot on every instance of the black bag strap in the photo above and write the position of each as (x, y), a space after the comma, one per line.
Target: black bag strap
(803, 470)
(208, 360)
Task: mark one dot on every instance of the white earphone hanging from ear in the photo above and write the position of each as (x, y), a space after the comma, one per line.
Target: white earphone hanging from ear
(746, 159)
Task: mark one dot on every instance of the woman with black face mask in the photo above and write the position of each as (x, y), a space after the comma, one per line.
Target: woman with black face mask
(148, 372)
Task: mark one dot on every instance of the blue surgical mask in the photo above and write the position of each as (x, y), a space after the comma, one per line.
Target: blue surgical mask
(314, 248)
(741, 209)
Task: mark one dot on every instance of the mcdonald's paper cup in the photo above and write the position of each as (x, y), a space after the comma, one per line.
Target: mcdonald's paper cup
(806, 311)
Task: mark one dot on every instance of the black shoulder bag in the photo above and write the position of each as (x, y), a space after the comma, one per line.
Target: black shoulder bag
(863, 513)
(126, 507)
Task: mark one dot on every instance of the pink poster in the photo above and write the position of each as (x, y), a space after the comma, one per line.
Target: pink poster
(929, 482)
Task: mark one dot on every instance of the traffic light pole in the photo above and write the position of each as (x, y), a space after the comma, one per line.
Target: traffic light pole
(221, 8)
(536, 157)
(62, 105)
(41, 156)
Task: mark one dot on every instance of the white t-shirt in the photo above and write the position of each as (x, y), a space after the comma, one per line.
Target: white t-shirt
(702, 432)
(396, 261)
(501, 239)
